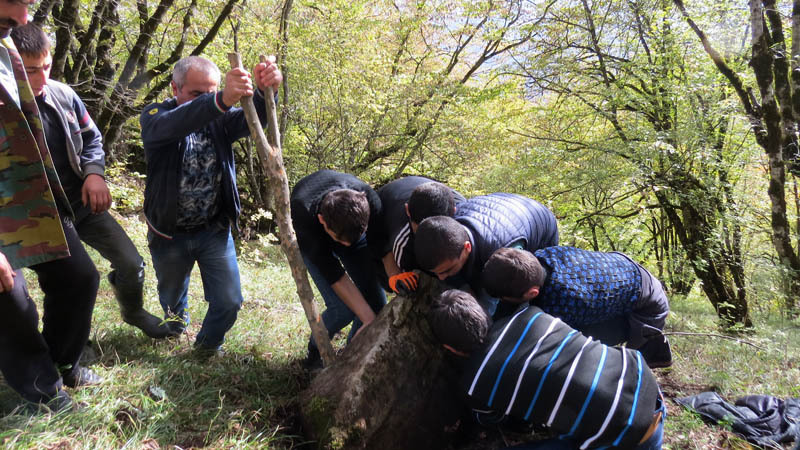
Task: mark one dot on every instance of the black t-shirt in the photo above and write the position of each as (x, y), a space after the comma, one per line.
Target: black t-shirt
(57, 145)
(394, 234)
(314, 242)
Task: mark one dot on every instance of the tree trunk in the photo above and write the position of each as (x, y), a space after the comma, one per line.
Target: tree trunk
(272, 160)
(391, 388)
(723, 288)
(66, 17)
(774, 121)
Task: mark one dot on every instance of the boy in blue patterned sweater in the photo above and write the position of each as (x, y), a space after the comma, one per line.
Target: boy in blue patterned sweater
(604, 295)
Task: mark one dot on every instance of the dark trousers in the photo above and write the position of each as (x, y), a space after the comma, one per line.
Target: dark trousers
(103, 233)
(30, 361)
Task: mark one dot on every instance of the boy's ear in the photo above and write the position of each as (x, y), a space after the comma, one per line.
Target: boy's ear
(451, 349)
(468, 246)
(531, 293)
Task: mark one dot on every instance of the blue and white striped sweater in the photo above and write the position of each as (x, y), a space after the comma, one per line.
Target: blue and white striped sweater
(538, 369)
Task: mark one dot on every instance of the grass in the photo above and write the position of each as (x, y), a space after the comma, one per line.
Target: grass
(158, 395)
(770, 366)
(243, 399)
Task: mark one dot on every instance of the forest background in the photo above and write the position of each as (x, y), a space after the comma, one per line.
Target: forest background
(661, 129)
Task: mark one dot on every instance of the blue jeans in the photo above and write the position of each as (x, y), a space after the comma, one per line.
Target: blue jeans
(173, 260)
(104, 234)
(361, 267)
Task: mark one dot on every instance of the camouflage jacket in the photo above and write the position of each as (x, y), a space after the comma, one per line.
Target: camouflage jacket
(30, 228)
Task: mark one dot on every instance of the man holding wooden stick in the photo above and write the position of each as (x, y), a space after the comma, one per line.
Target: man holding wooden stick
(191, 199)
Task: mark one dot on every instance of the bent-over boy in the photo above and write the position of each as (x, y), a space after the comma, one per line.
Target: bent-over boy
(331, 212)
(456, 249)
(532, 367)
(605, 295)
(405, 203)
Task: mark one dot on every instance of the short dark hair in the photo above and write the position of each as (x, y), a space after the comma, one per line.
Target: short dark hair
(438, 239)
(346, 212)
(30, 40)
(458, 320)
(431, 199)
(510, 272)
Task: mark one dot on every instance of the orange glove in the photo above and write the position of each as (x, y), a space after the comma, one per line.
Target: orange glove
(404, 283)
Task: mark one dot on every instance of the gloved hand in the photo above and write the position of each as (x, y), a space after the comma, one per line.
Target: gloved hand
(404, 283)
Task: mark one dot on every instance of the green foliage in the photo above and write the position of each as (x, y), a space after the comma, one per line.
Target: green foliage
(127, 195)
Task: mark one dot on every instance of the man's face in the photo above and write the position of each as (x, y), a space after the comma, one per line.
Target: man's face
(196, 84)
(450, 267)
(13, 13)
(38, 69)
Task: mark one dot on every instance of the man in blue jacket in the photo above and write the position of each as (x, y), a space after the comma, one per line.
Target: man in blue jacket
(190, 199)
(456, 249)
(76, 146)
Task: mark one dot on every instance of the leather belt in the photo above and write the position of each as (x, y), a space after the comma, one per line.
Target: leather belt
(652, 428)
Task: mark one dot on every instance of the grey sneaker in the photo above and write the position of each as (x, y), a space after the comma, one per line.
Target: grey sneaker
(62, 402)
(89, 355)
(203, 353)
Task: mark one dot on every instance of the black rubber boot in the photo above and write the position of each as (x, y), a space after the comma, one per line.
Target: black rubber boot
(131, 307)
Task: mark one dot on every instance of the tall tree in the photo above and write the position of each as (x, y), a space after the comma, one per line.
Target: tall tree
(112, 50)
(773, 109)
(618, 76)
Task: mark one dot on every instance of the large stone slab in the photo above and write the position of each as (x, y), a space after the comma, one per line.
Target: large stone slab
(391, 388)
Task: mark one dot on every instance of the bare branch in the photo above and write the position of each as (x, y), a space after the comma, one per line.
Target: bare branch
(720, 336)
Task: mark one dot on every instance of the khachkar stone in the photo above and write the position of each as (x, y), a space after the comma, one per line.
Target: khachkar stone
(391, 388)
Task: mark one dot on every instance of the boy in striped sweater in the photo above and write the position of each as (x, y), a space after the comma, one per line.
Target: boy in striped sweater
(532, 367)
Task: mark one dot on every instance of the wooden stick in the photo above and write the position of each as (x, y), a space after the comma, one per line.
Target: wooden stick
(271, 157)
(273, 131)
(720, 336)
